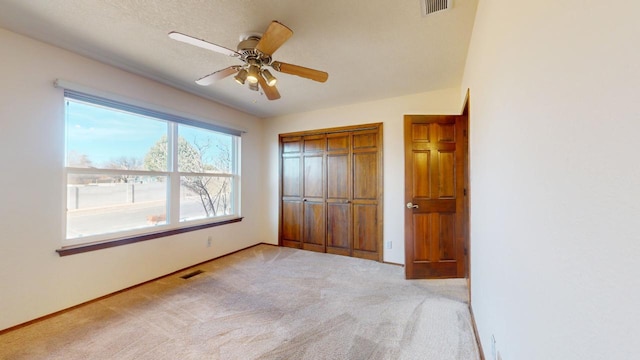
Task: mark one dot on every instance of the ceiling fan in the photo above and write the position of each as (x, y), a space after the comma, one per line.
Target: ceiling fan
(255, 51)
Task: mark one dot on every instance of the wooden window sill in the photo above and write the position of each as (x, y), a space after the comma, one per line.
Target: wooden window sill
(79, 249)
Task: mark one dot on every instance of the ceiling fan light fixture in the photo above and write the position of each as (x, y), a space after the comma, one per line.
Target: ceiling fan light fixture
(253, 86)
(253, 74)
(241, 77)
(270, 79)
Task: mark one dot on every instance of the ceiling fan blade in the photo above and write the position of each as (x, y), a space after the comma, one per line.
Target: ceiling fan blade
(276, 35)
(270, 91)
(301, 71)
(218, 75)
(202, 44)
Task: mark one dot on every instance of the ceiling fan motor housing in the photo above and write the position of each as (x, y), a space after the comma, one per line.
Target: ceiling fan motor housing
(247, 50)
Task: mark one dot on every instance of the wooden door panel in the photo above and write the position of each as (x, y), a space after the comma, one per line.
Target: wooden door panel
(447, 236)
(337, 176)
(365, 178)
(313, 166)
(435, 155)
(314, 144)
(422, 174)
(338, 219)
(435, 237)
(438, 205)
(291, 145)
(365, 140)
(420, 132)
(338, 196)
(338, 142)
(365, 227)
(314, 226)
(365, 231)
(291, 223)
(422, 244)
(291, 176)
(442, 269)
(446, 133)
(291, 191)
(446, 174)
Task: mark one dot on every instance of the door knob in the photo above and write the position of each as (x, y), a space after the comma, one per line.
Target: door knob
(412, 206)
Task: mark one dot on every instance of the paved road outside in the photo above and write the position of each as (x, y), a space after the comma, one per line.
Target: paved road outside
(85, 222)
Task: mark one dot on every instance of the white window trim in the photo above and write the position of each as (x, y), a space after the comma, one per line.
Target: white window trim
(173, 177)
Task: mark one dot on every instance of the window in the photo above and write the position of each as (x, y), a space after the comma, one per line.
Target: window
(132, 171)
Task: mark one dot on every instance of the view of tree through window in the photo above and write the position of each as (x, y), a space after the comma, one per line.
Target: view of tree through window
(120, 167)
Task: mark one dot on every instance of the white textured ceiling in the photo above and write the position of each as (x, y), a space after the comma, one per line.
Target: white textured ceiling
(371, 49)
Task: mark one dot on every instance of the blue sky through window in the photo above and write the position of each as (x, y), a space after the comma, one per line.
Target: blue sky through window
(105, 134)
(102, 135)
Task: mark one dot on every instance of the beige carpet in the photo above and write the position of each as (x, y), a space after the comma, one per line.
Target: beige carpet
(264, 303)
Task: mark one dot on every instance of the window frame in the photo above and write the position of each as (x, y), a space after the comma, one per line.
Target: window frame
(173, 177)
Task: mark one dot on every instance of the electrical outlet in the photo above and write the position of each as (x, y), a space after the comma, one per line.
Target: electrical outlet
(209, 241)
(389, 245)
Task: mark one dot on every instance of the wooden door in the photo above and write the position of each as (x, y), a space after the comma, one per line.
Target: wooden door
(313, 204)
(436, 216)
(339, 239)
(367, 194)
(291, 189)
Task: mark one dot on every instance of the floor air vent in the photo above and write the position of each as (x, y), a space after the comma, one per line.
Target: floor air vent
(192, 274)
(431, 6)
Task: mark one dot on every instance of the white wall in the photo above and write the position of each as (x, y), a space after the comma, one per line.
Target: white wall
(34, 280)
(390, 112)
(555, 178)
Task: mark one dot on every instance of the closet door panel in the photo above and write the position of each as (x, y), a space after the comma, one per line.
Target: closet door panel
(313, 166)
(338, 221)
(291, 233)
(365, 179)
(314, 226)
(338, 195)
(291, 176)
(337, 177)
(367, 195)
(365, 231)
(291, 190)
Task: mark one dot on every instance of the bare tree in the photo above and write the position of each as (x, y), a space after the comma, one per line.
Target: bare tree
(125, 163)
(78, 160)
(213, 191)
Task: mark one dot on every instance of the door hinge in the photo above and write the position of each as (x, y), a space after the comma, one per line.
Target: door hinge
(465, 192)
(465, 252)
(464, 132)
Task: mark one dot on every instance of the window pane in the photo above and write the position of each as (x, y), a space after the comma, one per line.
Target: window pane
(99, 203)
(205, 196)
(204, 151)
(130, 161)
(103, 138)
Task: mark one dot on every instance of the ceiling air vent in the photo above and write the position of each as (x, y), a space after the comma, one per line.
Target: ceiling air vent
(431, 6)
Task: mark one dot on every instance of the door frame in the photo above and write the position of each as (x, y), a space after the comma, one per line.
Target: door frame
(466, 111)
